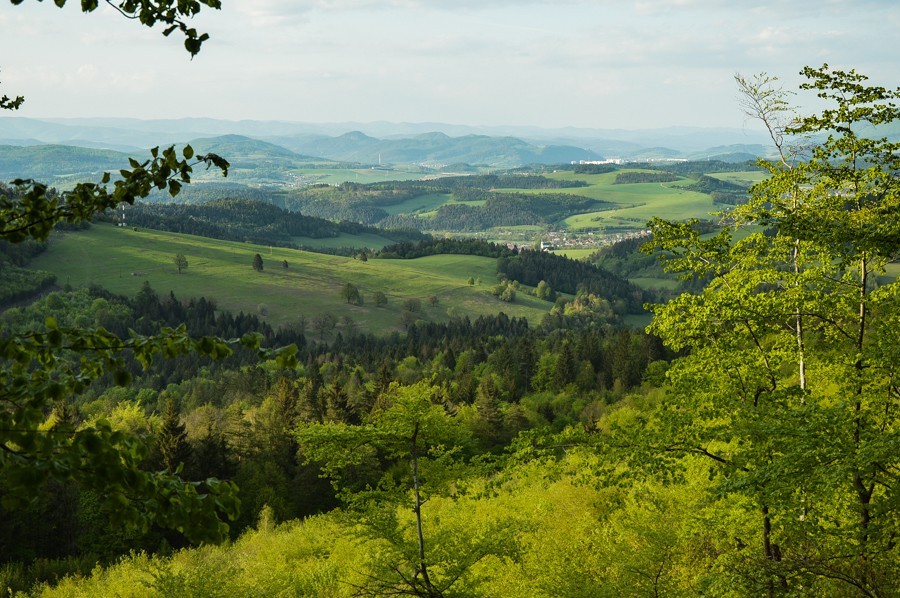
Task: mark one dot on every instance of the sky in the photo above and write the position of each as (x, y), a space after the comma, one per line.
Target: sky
(610, 64)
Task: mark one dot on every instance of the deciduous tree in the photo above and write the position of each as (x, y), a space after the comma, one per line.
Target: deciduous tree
(790, 388)
(180, 262)
(408, 428)
(350, 293)
(48, 365)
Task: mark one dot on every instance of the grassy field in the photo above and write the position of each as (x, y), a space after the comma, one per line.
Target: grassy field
(121, 259)
(576, 254)
(371, 241)
(642, 201)
(639, 201)
(418, 204)
(741, 178)
(892, 273)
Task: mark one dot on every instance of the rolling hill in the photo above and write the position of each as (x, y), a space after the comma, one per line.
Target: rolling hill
(498, 146)
(121, 259)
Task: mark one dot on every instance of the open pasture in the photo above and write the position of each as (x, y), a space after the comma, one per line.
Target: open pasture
(743, 178)
(121, 259)
(576, 253)
(647, 200)
(372, 241)
(639, 202)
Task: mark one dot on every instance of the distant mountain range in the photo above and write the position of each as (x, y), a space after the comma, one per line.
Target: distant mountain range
(286, 144)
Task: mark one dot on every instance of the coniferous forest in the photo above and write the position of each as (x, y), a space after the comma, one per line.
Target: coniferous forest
(745, 443)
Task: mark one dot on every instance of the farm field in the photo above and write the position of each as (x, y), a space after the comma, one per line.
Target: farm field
(576, 254)
(747, 177)
(121, 259)
(643, 201)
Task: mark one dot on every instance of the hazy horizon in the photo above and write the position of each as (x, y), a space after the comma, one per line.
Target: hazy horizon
(495, 63)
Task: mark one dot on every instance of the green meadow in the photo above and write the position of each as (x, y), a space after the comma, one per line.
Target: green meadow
(420, 203)
(576, 253)
(639, 202)
(745, 178)
(121, 259)
(372, 241)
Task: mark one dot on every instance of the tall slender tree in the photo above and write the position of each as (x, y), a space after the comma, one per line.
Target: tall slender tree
(790, 388)
(171, 440)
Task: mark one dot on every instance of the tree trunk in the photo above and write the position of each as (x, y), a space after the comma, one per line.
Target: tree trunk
(430, 590)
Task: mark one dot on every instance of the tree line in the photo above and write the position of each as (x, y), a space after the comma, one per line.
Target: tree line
(248, 220)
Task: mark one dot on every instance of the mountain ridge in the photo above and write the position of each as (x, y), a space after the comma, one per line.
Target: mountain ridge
(568, 143)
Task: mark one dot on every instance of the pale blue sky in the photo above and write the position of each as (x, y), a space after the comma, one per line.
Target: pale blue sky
(598, 64)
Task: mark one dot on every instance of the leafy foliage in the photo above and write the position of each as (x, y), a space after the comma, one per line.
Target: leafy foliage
(180, 262)
(173, 15)
(33, 211)
(790, 387)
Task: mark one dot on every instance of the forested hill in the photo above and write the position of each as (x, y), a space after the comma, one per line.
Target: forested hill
(530, 267)
(248, 220)
(445, 246)
(482, 204)
(566, 275)
(48, 161)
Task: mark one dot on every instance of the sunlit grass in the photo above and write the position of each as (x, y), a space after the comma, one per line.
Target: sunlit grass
(121, 259)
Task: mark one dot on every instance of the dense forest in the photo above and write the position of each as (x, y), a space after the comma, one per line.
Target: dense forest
(626, 178)
(214, 415)
(249, 220)
(744, 444)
